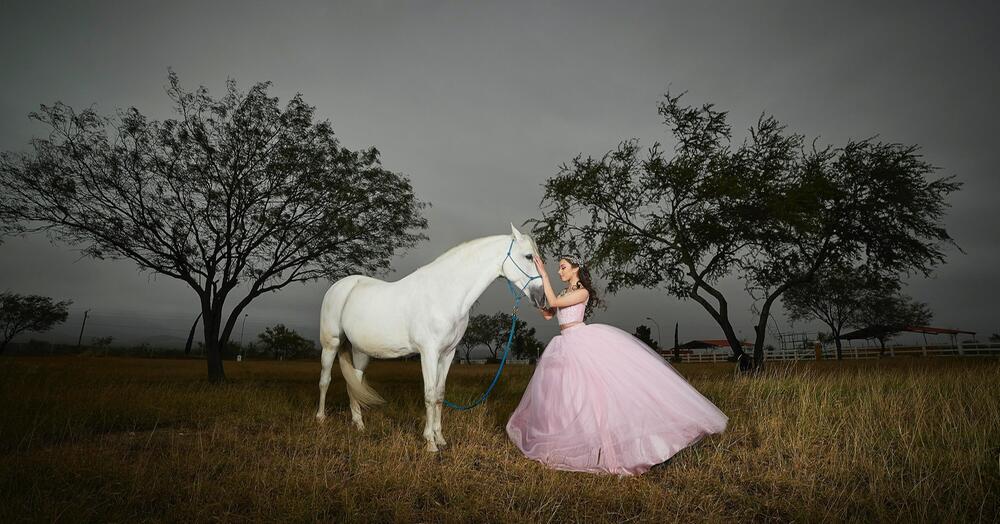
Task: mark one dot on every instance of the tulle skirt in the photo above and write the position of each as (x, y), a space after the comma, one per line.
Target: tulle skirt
(601, 401)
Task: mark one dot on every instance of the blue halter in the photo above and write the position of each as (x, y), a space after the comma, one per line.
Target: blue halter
(510, 336)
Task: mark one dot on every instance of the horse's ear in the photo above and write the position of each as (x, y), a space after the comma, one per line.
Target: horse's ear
(515, 232)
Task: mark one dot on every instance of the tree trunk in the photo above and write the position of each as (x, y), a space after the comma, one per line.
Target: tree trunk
(213, 346)
(758, 347)
(744, 362)
(840, 353)
(761, 328)
(213, 352)
(760, 331)
(190, 340)
(721, 317)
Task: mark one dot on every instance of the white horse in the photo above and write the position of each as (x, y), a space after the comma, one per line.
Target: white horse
(425, 312)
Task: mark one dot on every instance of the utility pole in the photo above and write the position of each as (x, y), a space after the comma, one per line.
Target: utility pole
(80, 338)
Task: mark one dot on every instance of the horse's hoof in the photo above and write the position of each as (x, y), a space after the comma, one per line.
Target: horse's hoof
(321, 418)
(431, 447)
(440, 441)
(360, 426)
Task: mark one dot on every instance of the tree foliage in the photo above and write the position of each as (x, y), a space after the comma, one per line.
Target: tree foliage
(836, 296)
(101, 342)
(492, 332)
(772, 211)
(526, 344)
(645, 334)
(24, 313)
(856, 297)
(235, 197)
(886, 315)
(283, 343)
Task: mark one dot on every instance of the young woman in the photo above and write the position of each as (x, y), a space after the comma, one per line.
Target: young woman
(600, 400)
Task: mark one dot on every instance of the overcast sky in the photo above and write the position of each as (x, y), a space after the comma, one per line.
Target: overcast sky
(479, 104)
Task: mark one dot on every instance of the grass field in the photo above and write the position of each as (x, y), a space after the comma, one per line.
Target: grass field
(120, 439)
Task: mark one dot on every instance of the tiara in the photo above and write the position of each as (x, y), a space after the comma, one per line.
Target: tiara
(574, 259)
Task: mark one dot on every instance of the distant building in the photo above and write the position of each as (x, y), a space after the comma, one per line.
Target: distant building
(706, 345)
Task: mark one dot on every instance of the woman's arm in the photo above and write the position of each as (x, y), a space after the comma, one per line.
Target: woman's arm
(570, 298)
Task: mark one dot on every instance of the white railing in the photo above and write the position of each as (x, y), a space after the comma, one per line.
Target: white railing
(483, 361)
(714, 356)
(964, 349)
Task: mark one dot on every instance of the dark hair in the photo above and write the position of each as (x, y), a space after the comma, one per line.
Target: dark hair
(584, 282)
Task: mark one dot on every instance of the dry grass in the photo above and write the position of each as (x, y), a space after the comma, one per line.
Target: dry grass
(115, 439)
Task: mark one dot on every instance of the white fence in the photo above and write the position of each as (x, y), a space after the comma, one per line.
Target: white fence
(963, 349)
(483, 361)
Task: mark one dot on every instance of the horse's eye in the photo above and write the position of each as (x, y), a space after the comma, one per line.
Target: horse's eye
(527, 257)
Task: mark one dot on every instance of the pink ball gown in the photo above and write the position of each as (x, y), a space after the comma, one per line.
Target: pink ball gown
(601, 401)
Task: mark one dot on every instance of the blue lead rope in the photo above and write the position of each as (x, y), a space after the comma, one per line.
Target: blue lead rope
(510, 336)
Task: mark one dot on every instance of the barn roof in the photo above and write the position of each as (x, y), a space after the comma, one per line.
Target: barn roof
(937, 331)
(877, 331)
(710, 343)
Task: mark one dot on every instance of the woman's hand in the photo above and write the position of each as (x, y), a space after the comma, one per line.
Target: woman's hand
(547, 313)
(550, 295)
(540, 266)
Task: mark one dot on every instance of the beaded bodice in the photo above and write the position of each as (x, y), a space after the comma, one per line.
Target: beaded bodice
(572, 313)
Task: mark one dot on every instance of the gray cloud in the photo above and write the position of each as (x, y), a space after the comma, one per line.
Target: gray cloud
(479, 104)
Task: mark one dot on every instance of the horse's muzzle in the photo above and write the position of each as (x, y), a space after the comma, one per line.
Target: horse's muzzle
(537, 295)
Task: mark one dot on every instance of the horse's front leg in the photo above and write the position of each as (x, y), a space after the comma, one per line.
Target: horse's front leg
(444, 364)
(429, 368)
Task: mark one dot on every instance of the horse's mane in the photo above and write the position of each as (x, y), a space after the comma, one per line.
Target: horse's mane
(534, 246)
(460, 247)
(454, 250)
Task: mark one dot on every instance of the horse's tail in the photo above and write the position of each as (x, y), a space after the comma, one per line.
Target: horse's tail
(358, 389)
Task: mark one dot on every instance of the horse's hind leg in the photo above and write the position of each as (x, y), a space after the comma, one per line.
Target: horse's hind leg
(360, 361)
(330, 346)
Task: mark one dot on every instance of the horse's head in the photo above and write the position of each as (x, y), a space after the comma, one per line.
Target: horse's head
(520, 269)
